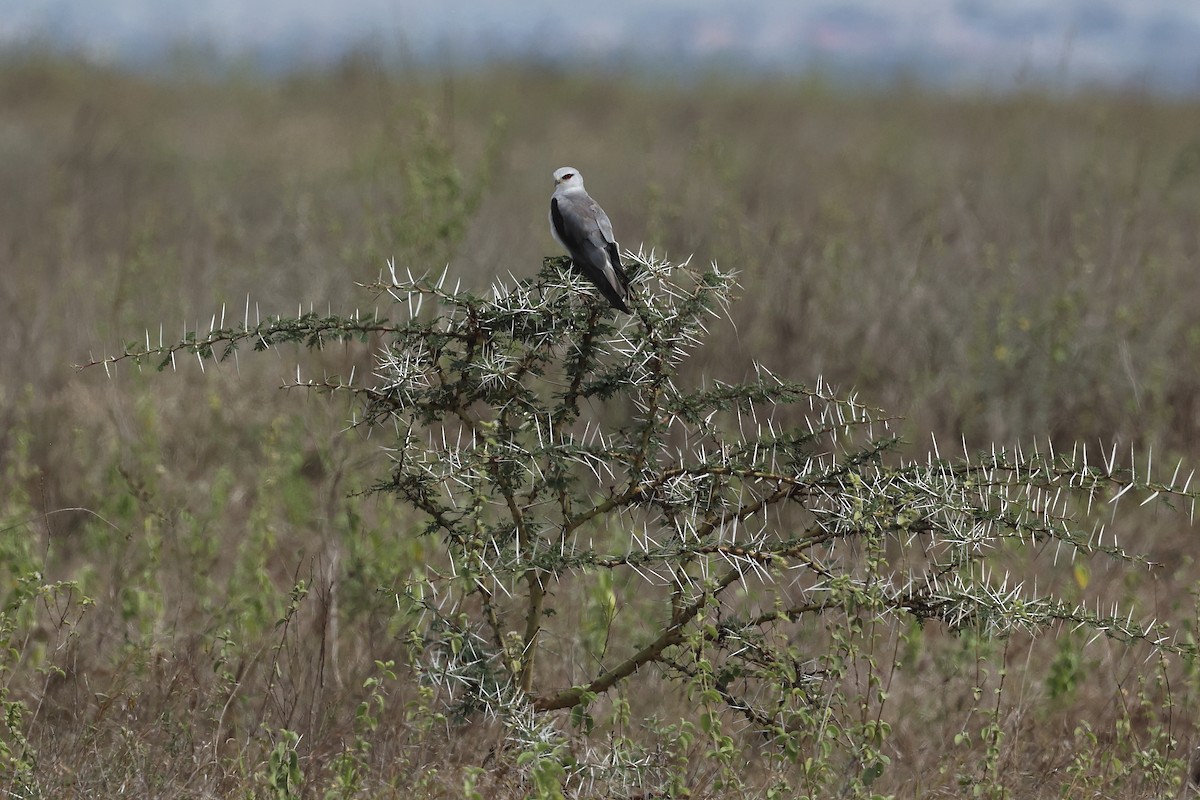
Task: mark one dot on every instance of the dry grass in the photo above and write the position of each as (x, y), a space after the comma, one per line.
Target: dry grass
(998, 268)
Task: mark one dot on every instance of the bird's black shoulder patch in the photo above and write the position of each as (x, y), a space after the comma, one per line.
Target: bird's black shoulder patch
(557, 217)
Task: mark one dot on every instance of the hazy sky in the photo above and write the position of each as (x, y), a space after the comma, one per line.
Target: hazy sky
(947, 41)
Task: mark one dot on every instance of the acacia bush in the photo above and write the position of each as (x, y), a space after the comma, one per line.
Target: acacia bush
(746, 545)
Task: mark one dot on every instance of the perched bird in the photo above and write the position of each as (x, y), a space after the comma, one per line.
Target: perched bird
(580, 225)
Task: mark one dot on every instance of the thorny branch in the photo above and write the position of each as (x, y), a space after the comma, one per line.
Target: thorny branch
(549, 441)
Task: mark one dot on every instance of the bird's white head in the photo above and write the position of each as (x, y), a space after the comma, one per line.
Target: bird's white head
(568, 178)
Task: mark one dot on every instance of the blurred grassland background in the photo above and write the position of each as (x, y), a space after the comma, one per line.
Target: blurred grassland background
(994, 268)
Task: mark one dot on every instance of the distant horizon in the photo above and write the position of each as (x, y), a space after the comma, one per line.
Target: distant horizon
(952, 44)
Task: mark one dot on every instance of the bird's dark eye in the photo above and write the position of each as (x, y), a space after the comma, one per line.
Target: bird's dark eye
(568, 176)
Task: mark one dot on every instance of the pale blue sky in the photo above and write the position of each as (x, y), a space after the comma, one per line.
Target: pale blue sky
(949, 42)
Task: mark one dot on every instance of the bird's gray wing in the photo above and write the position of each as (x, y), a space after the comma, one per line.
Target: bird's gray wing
(610, 246)
(584, 229)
